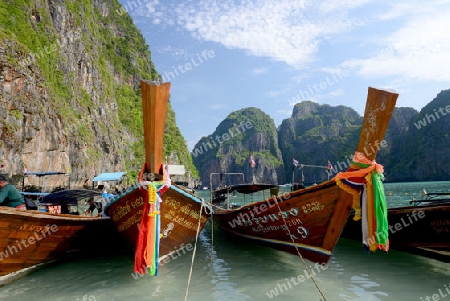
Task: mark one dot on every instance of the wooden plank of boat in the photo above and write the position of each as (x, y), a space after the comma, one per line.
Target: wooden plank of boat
(29, 238)
(309, 220)
(435, 253)
(180, 210)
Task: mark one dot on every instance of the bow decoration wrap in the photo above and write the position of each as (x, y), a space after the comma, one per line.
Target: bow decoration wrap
(370, 204)
(147, 246)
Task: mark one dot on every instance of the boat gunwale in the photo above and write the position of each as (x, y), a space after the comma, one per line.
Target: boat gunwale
(174, 187)
(43, 215)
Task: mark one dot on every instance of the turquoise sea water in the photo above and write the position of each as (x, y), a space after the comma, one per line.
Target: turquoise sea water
(228, 269)
(400, 194)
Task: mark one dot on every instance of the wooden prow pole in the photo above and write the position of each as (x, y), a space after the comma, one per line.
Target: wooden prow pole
(155, 97)
(379, 107)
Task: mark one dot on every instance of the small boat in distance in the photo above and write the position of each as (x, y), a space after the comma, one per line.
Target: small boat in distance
(245, 188)
(308, 222)
(221, 194)
(432, 198)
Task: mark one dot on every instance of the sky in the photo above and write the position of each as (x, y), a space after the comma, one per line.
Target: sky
(223, 56)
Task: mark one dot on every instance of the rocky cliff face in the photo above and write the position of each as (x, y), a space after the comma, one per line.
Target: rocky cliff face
(244, 133)
(415, 148)
(396, 137)
(32, 131)
(422, 153)
(69, 89)
(315, 134)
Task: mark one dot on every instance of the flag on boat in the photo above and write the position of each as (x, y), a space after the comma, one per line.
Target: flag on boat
(329, 165)
(295, 162)
(252, 162)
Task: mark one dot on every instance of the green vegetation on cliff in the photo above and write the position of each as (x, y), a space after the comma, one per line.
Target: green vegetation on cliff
(420, 152)
(415, 148)
(90, 61)
(246, 132)
(318, 133)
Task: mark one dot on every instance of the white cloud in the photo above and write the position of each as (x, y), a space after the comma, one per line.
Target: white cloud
(259, 71)
(333, 5)
(419, 50)
(284, 30)
(332, 94)
(176, 52)
(262, 29)
(397, 10)
(338, 73)
(275, 93)
(409, 8)
(299, 78)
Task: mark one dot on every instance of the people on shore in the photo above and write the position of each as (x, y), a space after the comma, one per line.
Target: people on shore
(94, 205)
(10, 196)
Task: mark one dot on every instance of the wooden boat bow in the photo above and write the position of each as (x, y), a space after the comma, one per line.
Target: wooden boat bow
(155, 97)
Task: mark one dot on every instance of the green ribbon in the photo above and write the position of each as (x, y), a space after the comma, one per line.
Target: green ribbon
(380, 207)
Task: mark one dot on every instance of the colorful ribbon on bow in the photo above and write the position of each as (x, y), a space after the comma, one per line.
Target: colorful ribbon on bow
(147, 246)
(370, 205)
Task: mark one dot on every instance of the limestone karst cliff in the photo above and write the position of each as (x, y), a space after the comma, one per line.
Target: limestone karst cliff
(315, 134)
(420, 152)
(69, 90)
(415, 148)
(244, 133)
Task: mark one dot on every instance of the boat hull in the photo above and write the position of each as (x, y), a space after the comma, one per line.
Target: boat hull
(423, 230)
(180, 215)
(29, 238)
(308, 220)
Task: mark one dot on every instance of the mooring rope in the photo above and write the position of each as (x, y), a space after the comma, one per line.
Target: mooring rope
(298, 252)
(193, 252)
(212, 232)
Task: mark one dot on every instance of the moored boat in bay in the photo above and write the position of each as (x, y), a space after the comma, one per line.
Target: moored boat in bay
(155, 216)
(422, 228)
(180, 215)
(308, 222)
(30, 238)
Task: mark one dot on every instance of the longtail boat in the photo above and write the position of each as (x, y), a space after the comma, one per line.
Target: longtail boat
(29, 238)
(153, 225)
(308, 222)
(422, 228)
